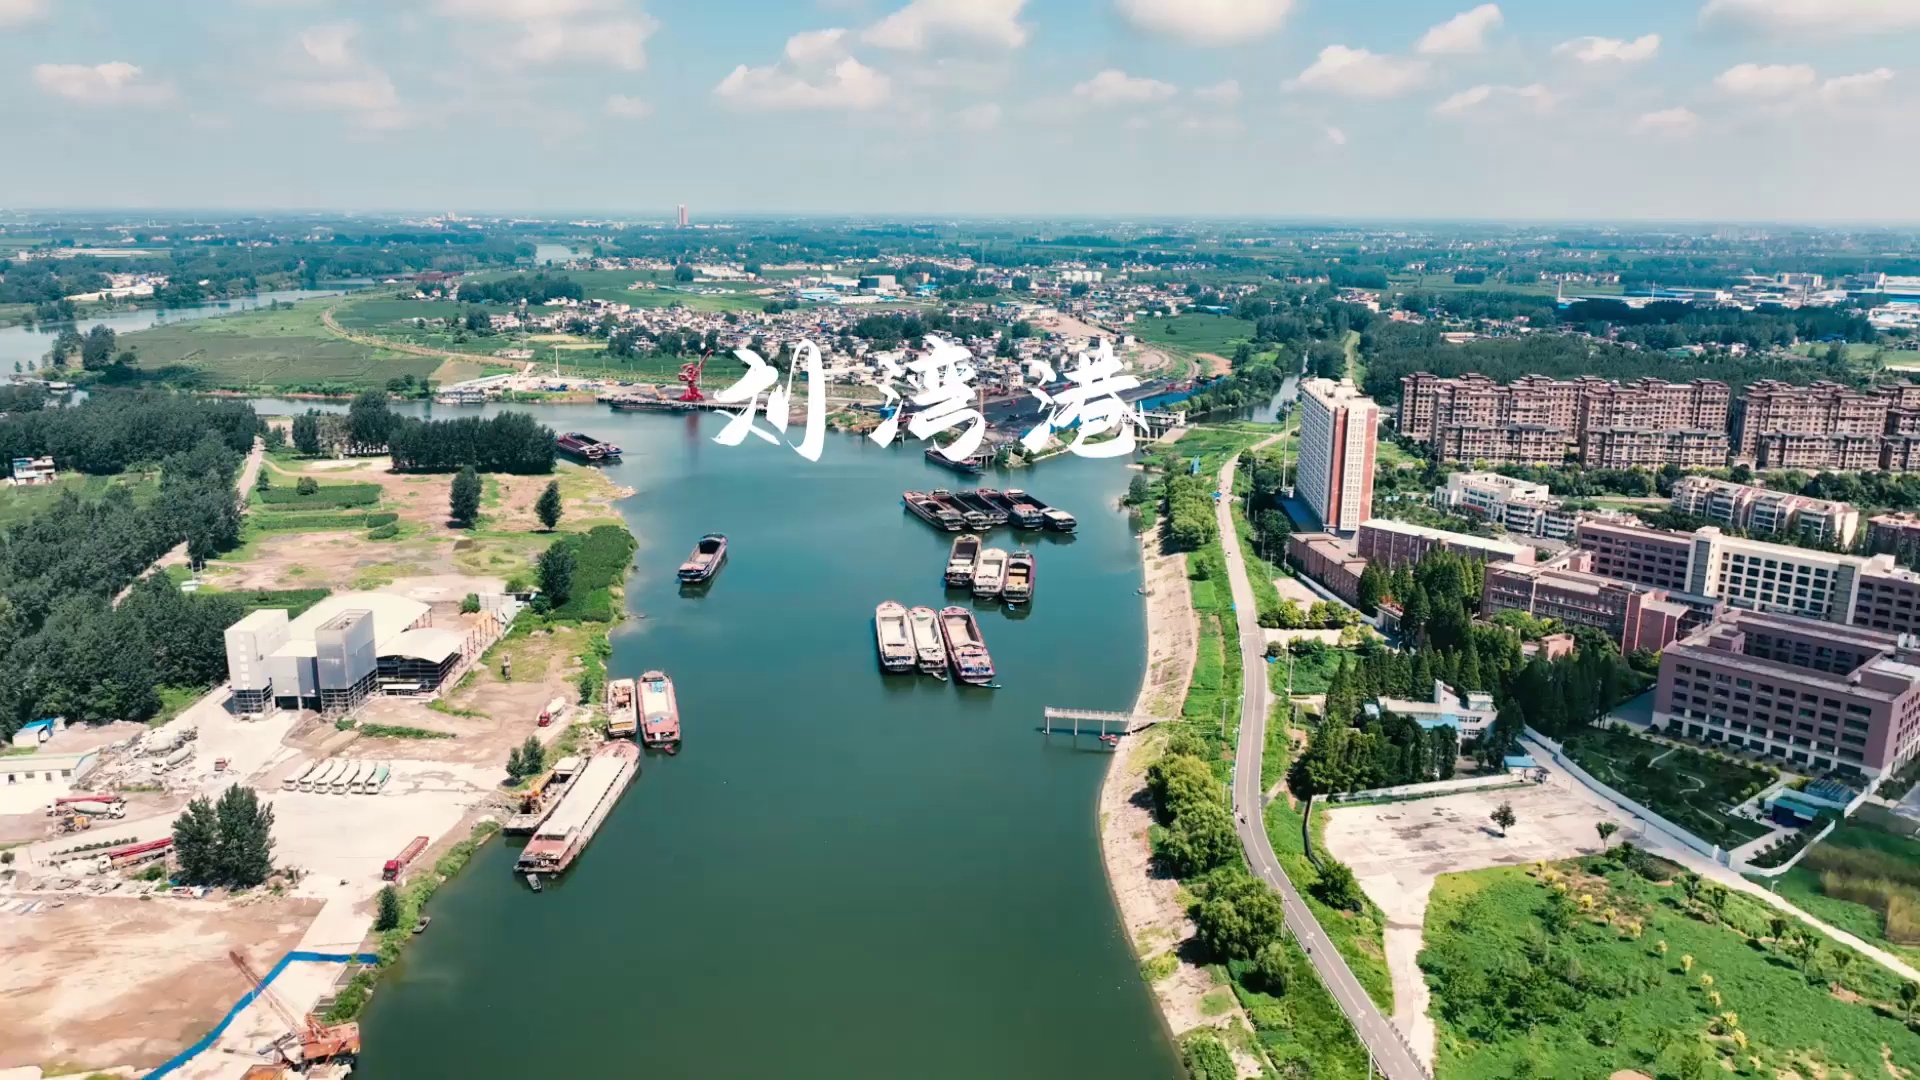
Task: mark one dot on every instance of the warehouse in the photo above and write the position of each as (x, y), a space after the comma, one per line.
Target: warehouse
(336, 653)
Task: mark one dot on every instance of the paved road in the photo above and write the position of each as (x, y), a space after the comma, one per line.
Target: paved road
(243, 483)
(1390, 1050)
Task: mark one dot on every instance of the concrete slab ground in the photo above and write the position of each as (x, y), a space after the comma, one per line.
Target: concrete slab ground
(1396, 850)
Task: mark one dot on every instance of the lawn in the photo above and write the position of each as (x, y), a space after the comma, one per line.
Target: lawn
(1196, 332)
(1585, 967)
(1311, 673)
(1865, 881)
(270, 349)
(1685, 786)
(17, 504)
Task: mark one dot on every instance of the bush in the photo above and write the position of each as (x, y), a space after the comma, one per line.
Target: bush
(470, 603)
(333, 496)
(307, 486)
(601, 558)
(384, 532)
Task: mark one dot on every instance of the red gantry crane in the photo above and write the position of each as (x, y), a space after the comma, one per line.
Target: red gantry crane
(318, 1042)
(690, 375)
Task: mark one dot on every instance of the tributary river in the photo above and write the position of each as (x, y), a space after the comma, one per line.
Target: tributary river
(844, 873)
(21, 345)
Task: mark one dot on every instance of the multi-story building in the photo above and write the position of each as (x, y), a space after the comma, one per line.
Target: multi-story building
(1635, 616)
(1522, 506)
(1757, 510)
(1339, 427)
(1817, 696)
(1327, 560)
(1391, 543)
(1469, 716)
(1537, 420)
(1652, 557)
(1897, 535)
(1889, 597)
(1814, 412)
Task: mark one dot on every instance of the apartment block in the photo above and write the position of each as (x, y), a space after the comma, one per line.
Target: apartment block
(1628, 448)
(1391, 543)
(1537, 420)
(1758, 510)
(1772, 408)
(1327, 560)
(1339, 428)
(1816, 696)
(1635, 616)
(1522, 506)
(1889, 597)
(1897, 535)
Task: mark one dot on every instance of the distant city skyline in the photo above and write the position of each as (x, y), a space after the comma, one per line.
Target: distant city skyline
(1751, 111)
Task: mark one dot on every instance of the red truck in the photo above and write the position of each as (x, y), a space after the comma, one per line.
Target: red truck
(391, 872)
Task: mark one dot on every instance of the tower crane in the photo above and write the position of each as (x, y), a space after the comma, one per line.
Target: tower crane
(318, 1042)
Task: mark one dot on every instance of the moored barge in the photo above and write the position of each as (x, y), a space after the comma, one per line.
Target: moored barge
(584, 447)
(892, 637)
(708, 556)
(929, 650)
(961, 561)
(990, 576)
(1020, 576)
(978, 501)
(659, 712)
(623, 719)
(581, 811)
(1023, 514)
(934, 513)
(970, 466)
(1055, 519)
(966, 652)
(977, 520)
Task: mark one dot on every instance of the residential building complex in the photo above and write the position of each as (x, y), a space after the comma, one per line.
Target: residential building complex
(1391, 543)
(1339, 427)
(1814, 695)
(1897, 535)
(1542, 421)
(1759, 511)
(1828, 426)
(1636, 617)
(1522, 506)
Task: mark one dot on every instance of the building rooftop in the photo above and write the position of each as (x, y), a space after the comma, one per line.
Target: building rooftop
(431, 645)
(1514, 551)
(391, 614)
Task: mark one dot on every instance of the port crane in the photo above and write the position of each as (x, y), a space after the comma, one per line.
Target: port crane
(318, 1042)
(690, 375)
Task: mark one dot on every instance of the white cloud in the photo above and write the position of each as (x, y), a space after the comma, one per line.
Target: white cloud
(1116, 87)
(327, 74)
(1464, 33)
(1336, 136)
(1211, 125)
(1835, 17)
(846, 84)
(1765, 80)
(371, 93)
(519, 10)
(811, 46)
(982, 117)
(621, 43)
(114, 83)
(1207, 22)
(923, 23)
(1667, 123)
(1535, 96)
(330, 46)
(1225, 93)
(627, 108)
(1601, 50)
(1856, 87)
(1359, 73)
(14, 12)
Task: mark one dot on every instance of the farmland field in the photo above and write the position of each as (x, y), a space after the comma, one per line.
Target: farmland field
(1687, 787)
(1581, 968)
(278, 348)
(1191, 333)
(17, 504)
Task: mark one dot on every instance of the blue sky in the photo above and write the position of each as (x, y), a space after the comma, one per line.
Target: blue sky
(1750, 110)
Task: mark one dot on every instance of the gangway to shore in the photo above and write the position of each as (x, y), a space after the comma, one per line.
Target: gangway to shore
(1091, 722)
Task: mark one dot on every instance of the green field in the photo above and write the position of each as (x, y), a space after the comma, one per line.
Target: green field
(1864, 880)
(1685, 786)
(1586, 967)
(280, 349)
(1195, 333)
(17, 504)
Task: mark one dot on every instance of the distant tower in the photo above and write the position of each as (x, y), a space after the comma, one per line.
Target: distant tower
(683, 215)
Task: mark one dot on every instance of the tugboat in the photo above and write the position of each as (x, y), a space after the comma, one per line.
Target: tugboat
(962, 560)
(927, 646)
(584, 447)
(707, 558)
(1020, 576)
(991, 575)
(966, 652)
(892, 637)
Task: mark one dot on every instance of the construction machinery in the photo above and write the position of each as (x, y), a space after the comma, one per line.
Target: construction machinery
(690, 375)
(317, 1042)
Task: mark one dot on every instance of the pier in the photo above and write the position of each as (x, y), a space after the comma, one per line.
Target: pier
(1103, 724)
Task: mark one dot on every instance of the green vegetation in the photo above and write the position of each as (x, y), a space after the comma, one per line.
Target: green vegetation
(319, 497)
(229, 844)
(393, 731)
(1865, 881)
(600, 558)
(285, 349)
(1686, 786)
(17, 504)
(525, 760)
(1585, 967)
(1196, 332)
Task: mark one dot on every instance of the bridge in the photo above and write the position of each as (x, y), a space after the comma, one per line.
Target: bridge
(1097, 723)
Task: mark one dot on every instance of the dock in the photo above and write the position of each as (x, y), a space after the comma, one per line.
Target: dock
(1090, 722)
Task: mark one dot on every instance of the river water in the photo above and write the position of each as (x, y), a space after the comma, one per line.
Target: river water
(844, 873)
(21, 345)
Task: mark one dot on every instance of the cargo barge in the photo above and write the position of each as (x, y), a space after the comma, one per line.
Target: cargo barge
(623, 719)
(966, 652)
(970, 466)
(583, 447)
(708, 556)
(1055, 519)
(642, 404)
(929, 650)
(961, 560)
(1023, 514)
(979, 503)
(1021, 566)
(990, 576)
(892, 638)
(933, 513)
(538, 801)
(977, 520)
(660, 712)
(581, 811)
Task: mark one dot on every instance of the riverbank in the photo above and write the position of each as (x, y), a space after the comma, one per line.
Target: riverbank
(1152, 905)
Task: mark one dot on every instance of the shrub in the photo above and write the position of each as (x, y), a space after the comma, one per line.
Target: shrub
(332, 496)
(384, 532)
(307, 486)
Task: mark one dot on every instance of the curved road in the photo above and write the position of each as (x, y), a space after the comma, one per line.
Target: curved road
(1390, 1051)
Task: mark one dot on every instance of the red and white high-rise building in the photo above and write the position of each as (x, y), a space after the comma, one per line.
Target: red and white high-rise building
(1339, 429)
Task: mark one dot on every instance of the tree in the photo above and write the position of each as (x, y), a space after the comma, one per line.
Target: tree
(1909, 996)
(1373, 587)
(368, 421)
(556, 573)
(1504, 817)
(1202, 838)
(466, 498)
(470, 603)
(1238, 916)
(1336, 886)
(96, 351)
(1272, 967)
(196, 843)
(1606, 829)
(526, 759)
(307, 485)
(306, 433)
(246, 837)
(1777, 929)
(548, 507)
(387, 909)
(683, 272)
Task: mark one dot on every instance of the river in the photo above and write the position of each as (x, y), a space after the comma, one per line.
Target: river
(843, 874)
(19, 345)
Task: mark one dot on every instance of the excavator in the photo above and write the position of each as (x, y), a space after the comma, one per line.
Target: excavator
(318, 1042)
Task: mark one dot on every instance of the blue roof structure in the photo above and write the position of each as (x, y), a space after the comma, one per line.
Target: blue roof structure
(1798, 805)
(32, 725)
(1519, 761)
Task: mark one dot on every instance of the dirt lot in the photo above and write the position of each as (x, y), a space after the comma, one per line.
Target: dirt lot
(1396, 850)
(101, 982)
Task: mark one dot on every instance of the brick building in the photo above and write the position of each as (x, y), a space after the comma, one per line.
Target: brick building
(1760, 511)
(1327, 560)
(1635, 616)
(1391, 543)
(1542, 421)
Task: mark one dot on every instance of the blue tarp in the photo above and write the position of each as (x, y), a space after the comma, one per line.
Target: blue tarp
(246, 999)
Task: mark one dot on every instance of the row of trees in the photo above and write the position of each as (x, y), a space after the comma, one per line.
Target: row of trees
(108, 433)
(521, 289)
(508, 443)
(227, 843)
(1190, 513)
